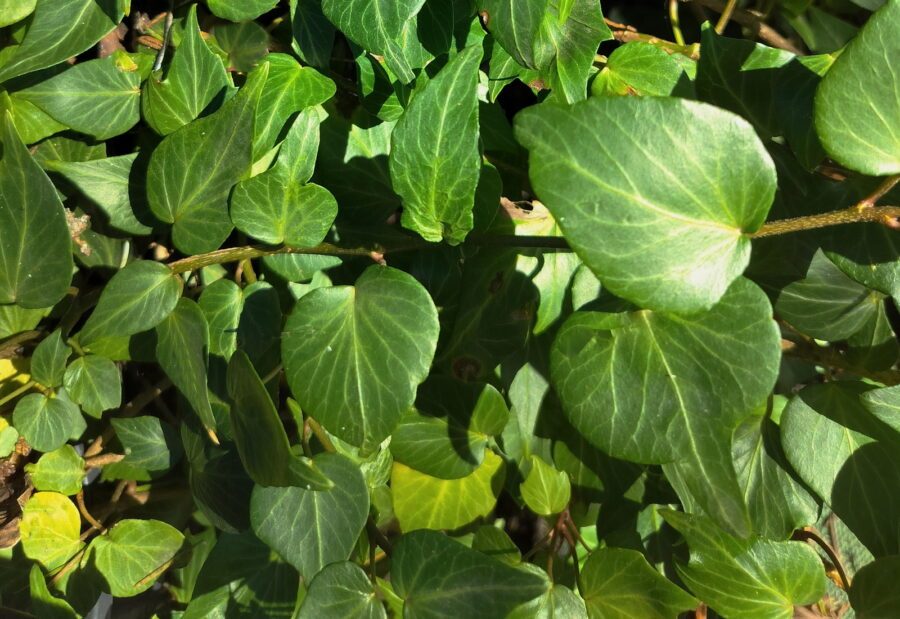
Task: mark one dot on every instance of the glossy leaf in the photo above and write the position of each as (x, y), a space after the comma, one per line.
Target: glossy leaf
(874, 591)
(675, 245)
(260, 437)
(278, 206)
(222, 302)
(193, 170)
(425, 502)
(619, 583)
(94, 382)
(638, 68)
(35, 249)
(43, 603)
(47, 423)
(313, 34)
(13, 11)
(240, 11)
(747, 578)
(857, 110)
(137, 298)
(341, 591)
(150, 444)
(355, 355)
(435, 163)
(48, 363)
(312, 528)
(439, 577)
(59, 30)
(195, 77)
(50, 528)
(100, 98)
(514, 24)
(546, 491)
(182, 349)
(59, 471)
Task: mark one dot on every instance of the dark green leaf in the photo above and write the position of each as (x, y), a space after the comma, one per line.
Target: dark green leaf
(313, 34)
(246, 44)
(47, 423)
(150, 444)
(672, 245)
(874, 591)
(94, 382)
(221, 303)
(240, 10)
(48, 363)
(514, 23)
(341, 591)
(43, 603)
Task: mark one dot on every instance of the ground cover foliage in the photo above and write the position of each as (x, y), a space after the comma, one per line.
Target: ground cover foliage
(449, 308)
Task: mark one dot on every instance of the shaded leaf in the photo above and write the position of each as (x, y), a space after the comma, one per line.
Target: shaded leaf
(341, 591)
(150, 444)
(95, 383)
(48, 362)
(874, 590)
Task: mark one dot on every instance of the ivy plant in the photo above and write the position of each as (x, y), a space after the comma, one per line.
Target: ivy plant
(337, 309)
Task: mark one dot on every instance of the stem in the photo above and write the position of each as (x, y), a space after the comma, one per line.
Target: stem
(129, 410)
(882, 190)
(327, 445)
(102, 460)
(12, 396)
(809, 534)
(859, 213)
(378, 537)
(829, 357)
(167, 36)
(8, 348)
(725, 17)
(626, 36)
(79, 498)
(236, 254)
(676, 22)
(753, 21)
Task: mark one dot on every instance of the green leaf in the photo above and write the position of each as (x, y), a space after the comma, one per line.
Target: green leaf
(43, 603)
(853, 466)
(514, 24)
(439, 578)
(50, 528)
(874, 590)
(313, 34)
(425, 502)
(289, 88)
(546, 491)
(777, 502)
(246, 44)
(857, 109)
(242, 10)
(48, 362)
(100, 98)
(494, 541)
(94, 382)
(106, 183)
(132, 554)
(31, 122)
(747, 578)
(651, 387)
(342, 591)
(312, 528)
(36, 263)
(47, 423)
(193, 170)
(261, 439)
(9, 436)
(195, 77)
(278, 206)
(566, 44)
(885, 405)
(182, 349)
(669, 231)
(60, 471)
(221, 302)
(558, 601)
(149, 443)
(619, 583)
(354, 355)
(435, 161)
(638, 68)
(12, 11)
(136, 299)
(60, 30)
(741, 76)
(826, 304)
(379, 26)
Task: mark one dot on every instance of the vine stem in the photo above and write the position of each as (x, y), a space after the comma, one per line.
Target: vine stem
(675, 20)
(829, 357)
(755, 22)
(12, 396)
(809, 534)
(725, 17)
(859, 213)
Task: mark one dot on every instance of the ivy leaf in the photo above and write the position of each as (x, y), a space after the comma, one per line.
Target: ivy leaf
(60, 30)
(240, 11)
(132, 554)
(259, 435)
(59, 471)
(425, 502)
(194, 79)
(100, 98)
(43, 603)
(313, 34)
(50, 529)
(546, 491)
(36, 267)
(439, 577)
(47, 423)
(355, 355)
(289, 88)
(341, 591)
(874, 589)
(558, 601)
(619, 583)
(246, 44)
(193, 170)
(853, 466)
(494, 541)
(94, 382)
(857, 111)
(12, 11)
(150, 444)
(182, 349)
(48, 362)
(514, 24)
(690, 229)
(435, 162)
(644, 387)
(221, 302)
(136, 299)
(884, 404)
(106, 182)
(278, 206)
(379, 26)
(747, 578)
(312, 528)
(638, 68)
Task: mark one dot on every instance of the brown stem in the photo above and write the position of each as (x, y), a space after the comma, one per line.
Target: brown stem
(236, 254)
(95, 524)
(882, 190)
(129, 410)
(829, 357)
(809, 534)
(378, 537)
(753, 21)
(630, 34)
(102, 460)
(886, 215)
(327, 445)
(9, 346)
(725, 17)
